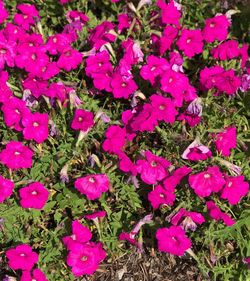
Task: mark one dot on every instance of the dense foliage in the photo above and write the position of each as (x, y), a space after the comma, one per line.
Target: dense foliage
(124, 124)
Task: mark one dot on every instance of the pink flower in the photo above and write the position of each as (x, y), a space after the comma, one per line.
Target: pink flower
(36, 126)
(167, 38)
(169, 12)
(153, 169)
(34, 196)
(173, 240)
(27, 17)
(36, 275)
(37, 87)
(196, 151)
(124, 21)
(160, 196)
(175, 84)
(22, 257)
(132, 52)
(58, 90)
(6, 188)
(172, 181)
(192, 115)
(234, 189)
(98, 63)
(3, 13)
(32, 59)
(14, 109)
(126, 165)
(204, 183)
(144, 119)
(226, 50)
(69, 59)
(101, 35)
(122, 87)
(92, 185)
(228, 82)
(209, 76)
(7, 51)
(57, 43)
(164, 108)
(216, 214)
(226, 140)
(154, 68)
(190, 221)
(85, 258)
(99, 214)
(16, 156)
(216, 28)
(131, 236)
(83, 120)
(190, 42)
(115, 139)
(80, 234)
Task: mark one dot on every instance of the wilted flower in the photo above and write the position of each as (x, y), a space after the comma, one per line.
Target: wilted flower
(196, 151)
(64, 174)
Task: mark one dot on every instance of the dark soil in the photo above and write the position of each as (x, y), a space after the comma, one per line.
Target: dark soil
(145, 267)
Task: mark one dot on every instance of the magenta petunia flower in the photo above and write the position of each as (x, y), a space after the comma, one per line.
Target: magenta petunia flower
(37, 87)
(92, 185)
(34, 196)
(115, 139)
(196, 151)
(234, 189)
(172, 181)
(126, 165)
(80, 234)
(226, 50)
(16, 156)
(7, 51)
(36, 126)
(226, 140)
(85, 258)
(144, 119)
(169, 12)
(216, 213)
(164, 108)
(21, 257)
(132, 52)
(187, 219)
(124, 22)
(27, 17)
(35, 275)
(174, 83)
(14, 109)
(83, 120)
(57, 43)
(173, 240)
(190, 42)
(6, 188)
(209, 76)
(154, 68)
(98, 63)
(69, 59)
(216, 28)
(101, 35)
(153, 169)
(58, 90)
(166, 40)
(160, 196)
(122, 87)
(98, 214)
(204, 183)
(3, 13)
(228, 82)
